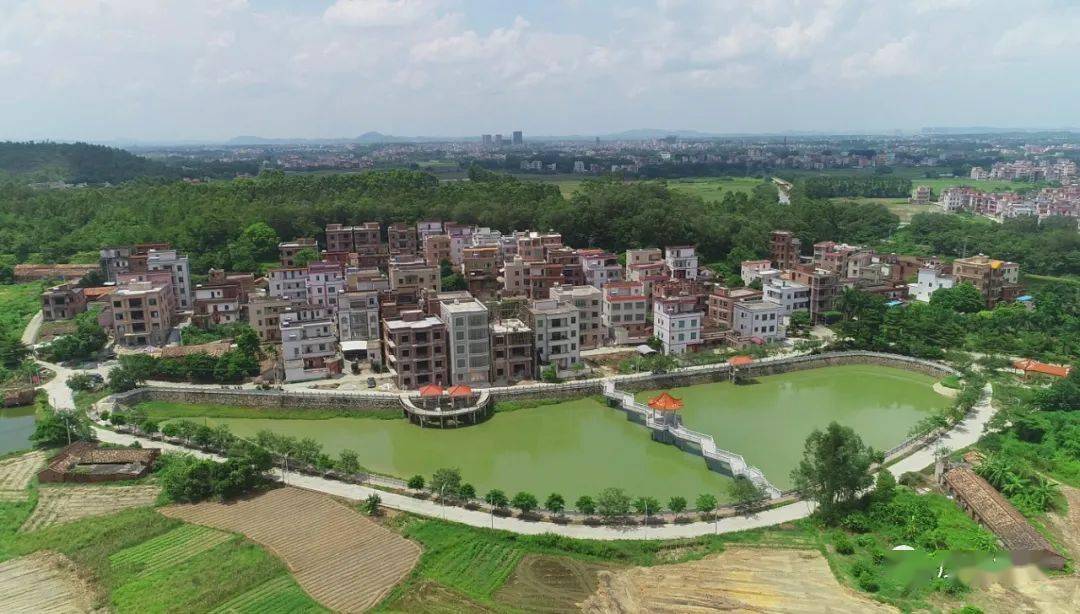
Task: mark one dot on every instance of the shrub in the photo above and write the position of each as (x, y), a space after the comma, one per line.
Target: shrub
(82, 382)
(585, 505)
(911, 478)
(416, 482)
(843, 544)
(370, 506)
(856, 522)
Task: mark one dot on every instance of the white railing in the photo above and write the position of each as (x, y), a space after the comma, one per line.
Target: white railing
(735, 462)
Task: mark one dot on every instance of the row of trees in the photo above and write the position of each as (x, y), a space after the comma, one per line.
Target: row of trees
(611, 503)
(874, 186)
(231, 367)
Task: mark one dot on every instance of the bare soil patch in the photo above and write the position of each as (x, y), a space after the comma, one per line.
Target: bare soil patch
(738, 580)
(549, 584)
(343, 560)
(17, 472)
(63, 504)
(43, 582)
(434, 598)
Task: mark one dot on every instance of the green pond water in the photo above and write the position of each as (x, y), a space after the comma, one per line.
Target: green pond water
(16, 426)
(582, 446)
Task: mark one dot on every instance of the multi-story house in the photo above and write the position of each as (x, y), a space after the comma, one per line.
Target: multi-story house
(480, 268)
(514, 276)
(650, 274)
(414, 348)
(824, 287)
(218, 304)
(533, 246)
(358, 316)
(62, 302)
(555, 326)
(599, 267)
(325, 283)
(288, 250)
(288, 284)
(437, 249)
(572, 272)
(624, 312)
(512, 352)
(847, 261)
(721, 303)
(931, 279)
(646, 255)
(309, 344)
(758, 322)
(468, 342)
(996, 280)
(264, 315)
(921, 195)
(677, 322)
(681, 262)
(426, 228)
(363, 239)
(784, 249)
(587, 299)
(142, 314)
(541, 277)
(750, 270)
(790, 295)
(177, 265)
(409, 275)
(401, 239)
(114, 260)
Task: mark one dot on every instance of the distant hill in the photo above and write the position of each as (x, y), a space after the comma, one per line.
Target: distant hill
(76, 163)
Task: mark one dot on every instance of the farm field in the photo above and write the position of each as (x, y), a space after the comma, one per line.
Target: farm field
(343, 560)
(64, 504)
(900, 206)
(280, 595)
(17, 472)
(740, 579)
(44, 582)
(714, 188)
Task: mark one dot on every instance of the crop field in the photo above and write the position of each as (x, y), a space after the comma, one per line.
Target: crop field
(281, 595)
(17, 472)
(740, 579)
(166, 551)
(714, 188)
(343, 560)
(43, 582)
(900, 206)
(549, 584)
(63, 504)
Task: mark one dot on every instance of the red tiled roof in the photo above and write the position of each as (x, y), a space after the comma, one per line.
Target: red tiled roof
(431, 390)
(1028, 364)
(459, 391)
(666, 402)
(740, 360)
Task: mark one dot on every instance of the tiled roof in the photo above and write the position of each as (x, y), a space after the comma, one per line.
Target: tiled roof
(996, 512)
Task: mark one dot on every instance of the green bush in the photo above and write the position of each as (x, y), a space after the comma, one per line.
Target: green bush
(843, 544)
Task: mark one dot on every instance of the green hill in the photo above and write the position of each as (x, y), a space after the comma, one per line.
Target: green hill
(77, 163)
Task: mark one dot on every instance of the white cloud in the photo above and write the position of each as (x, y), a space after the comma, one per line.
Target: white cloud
(380, 13)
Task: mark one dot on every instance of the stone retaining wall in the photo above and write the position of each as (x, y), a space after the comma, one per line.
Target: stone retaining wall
(362, 401)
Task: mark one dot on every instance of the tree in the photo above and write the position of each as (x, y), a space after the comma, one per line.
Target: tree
(834, 468)
(524, 502)
(349, 462)
(585, 505)
(306, 256)
(613, 502)
(496, 499)
(263, 241)
(12, 351)
(446, 481)
(677, 505)
(799, 322)
(549, 374)
(1062, 395)
(646, 505)
(705, 503)
(247, 342)
(82, 382)
(555, 503)
(964, 298)
(56, 428)
(744, 493)
(370, 506)
(467, 491)
(416, 482)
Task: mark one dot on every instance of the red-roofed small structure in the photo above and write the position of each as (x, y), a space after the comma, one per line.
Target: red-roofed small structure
(459, 391)
(666, 402)
(1029, 365)
(740, 360)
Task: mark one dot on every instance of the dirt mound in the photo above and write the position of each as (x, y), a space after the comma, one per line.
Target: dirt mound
(549, 584)
(741, 580)
(343, 560)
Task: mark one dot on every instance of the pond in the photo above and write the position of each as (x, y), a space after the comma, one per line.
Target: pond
(582, 446)
(16, 426)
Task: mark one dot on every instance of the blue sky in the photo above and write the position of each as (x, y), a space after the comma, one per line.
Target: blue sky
(213, 69)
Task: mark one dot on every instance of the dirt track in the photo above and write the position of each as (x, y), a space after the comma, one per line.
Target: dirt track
(43, 582)
(343, 560)
(739, 580)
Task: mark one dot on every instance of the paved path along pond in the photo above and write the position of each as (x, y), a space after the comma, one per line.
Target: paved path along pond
(582, 446)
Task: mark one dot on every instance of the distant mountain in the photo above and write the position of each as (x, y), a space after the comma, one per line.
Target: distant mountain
(76, 163)
(654, 133)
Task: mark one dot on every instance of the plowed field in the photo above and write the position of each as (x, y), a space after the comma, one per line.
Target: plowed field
(44, 582)
(343, 560)
(16, 474)
(61, 504)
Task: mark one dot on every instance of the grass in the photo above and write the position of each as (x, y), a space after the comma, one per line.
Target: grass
(18, 304)
(1034, 283)
(952, 381)
(162, 410)
(899, 206)
(167, 550)
(281, 595)
(714, 188)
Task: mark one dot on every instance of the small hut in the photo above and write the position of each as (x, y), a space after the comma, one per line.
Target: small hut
(460, 396)
(430, 396)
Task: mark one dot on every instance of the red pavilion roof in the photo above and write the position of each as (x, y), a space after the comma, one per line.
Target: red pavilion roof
(665, 402)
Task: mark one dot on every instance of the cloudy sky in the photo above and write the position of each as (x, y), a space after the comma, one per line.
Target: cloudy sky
(213, 69)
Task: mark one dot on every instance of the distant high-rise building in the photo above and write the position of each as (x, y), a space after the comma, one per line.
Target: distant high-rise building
(486, 139)
(518, 139)
(498, 140)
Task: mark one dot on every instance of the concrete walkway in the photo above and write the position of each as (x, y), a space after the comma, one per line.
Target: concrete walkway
(966, 433)
(30, 333)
